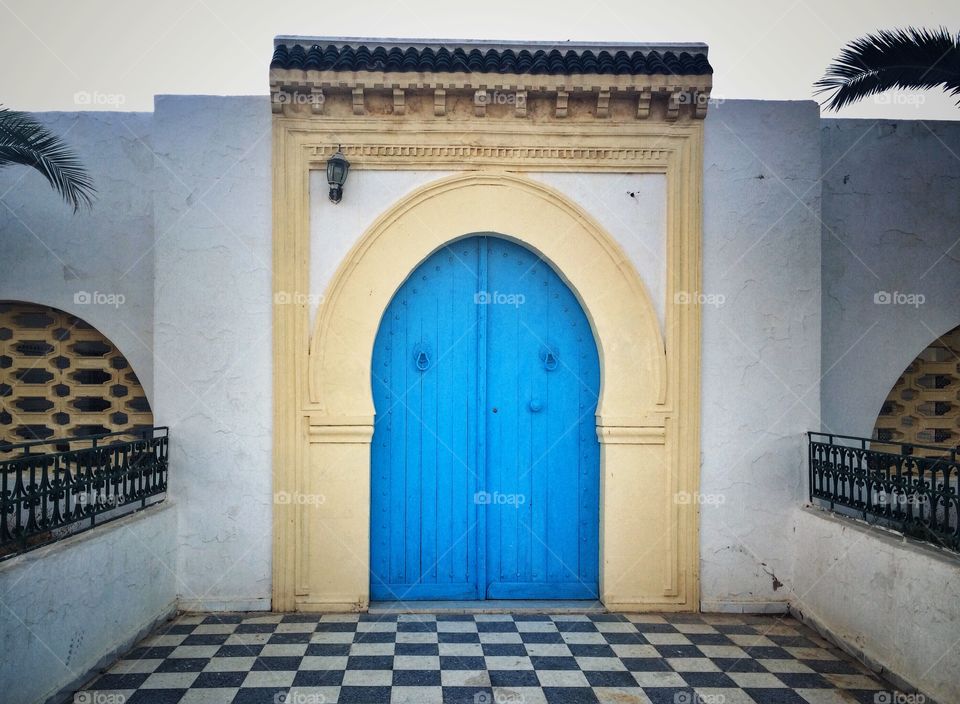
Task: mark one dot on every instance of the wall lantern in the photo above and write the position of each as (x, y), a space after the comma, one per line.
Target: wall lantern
(337, 168)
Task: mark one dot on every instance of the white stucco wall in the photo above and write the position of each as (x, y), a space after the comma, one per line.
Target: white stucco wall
(761, 344)
(631, 207)
(213, 341)
(77, 605)
(893, 602)
(890, 224)
(890, 214)
(51, 254)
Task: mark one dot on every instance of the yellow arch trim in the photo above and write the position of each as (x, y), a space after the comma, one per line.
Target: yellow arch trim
(592, 264)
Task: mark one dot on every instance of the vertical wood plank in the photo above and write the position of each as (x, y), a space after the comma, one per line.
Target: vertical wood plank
(482, 411)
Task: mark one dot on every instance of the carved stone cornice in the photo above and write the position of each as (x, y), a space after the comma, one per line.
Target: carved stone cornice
(371, 94)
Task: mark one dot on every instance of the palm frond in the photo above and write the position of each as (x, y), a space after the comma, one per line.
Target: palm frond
(911, 59)
(25, 141)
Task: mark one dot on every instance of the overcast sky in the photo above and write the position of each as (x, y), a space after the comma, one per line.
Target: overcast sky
(95, 54)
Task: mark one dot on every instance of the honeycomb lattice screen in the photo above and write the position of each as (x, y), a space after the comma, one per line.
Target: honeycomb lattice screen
(923, 405)
(60, 377)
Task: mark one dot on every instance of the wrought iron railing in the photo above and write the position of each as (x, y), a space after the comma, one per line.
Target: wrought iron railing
(886, 483)
(48, 493)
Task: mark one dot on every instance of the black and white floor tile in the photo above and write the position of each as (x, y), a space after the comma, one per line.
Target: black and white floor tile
(485, 659)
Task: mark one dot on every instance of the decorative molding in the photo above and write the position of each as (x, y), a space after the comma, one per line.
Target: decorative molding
(460, 153)
(322, 448)
(339, 434)
(297, 79)
(643, 104)
(563, 99)
(317, 99)
(701, 100)
(631, 435)
(585, 97)
(603, 103)
(399, 101)
(673, 104)
(480, 101)
(520, 103)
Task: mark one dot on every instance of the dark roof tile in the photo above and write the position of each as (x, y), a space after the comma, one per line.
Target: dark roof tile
(442, 59)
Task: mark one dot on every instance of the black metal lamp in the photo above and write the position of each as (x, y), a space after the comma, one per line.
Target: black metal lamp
(337, 168)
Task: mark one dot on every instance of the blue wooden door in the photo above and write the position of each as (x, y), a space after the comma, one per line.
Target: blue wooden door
(485, 462)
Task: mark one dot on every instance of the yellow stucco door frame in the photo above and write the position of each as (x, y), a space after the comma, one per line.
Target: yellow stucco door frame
(648, 414)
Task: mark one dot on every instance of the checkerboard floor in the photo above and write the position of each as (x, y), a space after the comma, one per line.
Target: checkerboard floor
(486, 659)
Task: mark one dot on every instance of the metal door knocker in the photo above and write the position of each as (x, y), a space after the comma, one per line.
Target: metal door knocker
(549, 358)
(421, 359)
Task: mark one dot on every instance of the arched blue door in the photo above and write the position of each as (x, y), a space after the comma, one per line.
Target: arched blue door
(485, 461)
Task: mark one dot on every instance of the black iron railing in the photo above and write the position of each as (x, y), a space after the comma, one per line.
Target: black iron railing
(48, 493)
(886, 483)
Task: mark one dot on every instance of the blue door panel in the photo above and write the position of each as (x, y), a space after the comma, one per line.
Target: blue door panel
(423, 456)
(543, 456)
(485, 462)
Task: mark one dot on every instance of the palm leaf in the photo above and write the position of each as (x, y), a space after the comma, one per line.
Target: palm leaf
(25, 141)
(912, 59)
